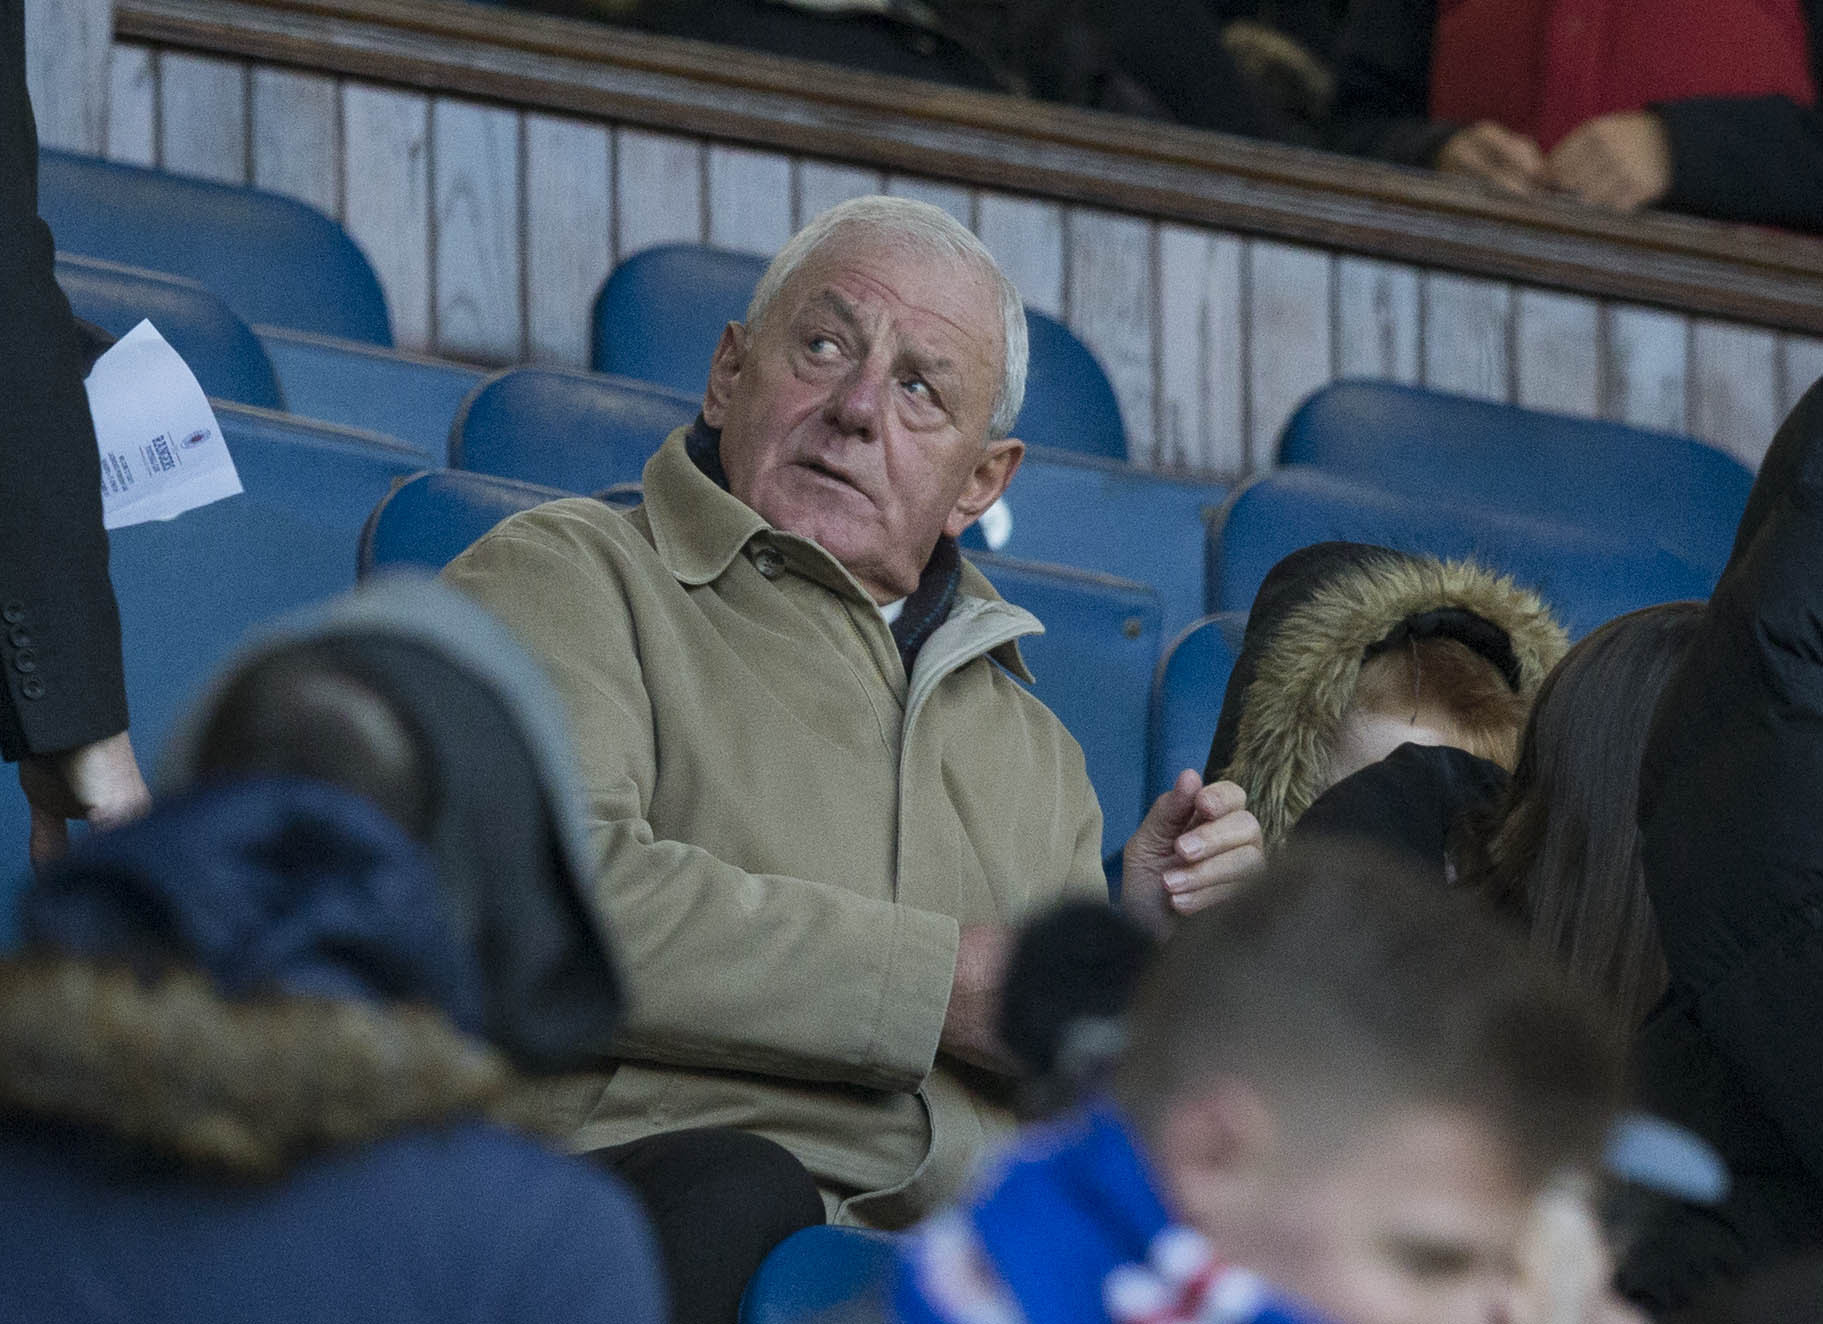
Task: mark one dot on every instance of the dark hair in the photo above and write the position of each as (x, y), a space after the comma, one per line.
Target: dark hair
(1560, 852)
(1343, 986)
(305, 712)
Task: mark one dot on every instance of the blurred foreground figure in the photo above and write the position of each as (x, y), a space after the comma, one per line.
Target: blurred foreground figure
(1341, 1095)
(253, 1057)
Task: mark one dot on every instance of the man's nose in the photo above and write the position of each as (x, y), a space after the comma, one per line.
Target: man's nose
(856, 404)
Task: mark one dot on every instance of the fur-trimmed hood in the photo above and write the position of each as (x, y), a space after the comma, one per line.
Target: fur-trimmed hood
(1316, 618)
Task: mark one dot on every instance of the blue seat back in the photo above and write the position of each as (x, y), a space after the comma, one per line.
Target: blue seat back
(429, 519)
(1187, 696)
(1587, 578)
(191, 588)
(818, 1271)
(1651, 487)
(1094, 514)
(661, 312)
(1094, 665)
(577, 430)
(221, 350)
(359, 385)
(272, 259)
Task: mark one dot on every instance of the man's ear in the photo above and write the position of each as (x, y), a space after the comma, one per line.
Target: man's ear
(998, 463)
(1212, 1150)
(724, 372)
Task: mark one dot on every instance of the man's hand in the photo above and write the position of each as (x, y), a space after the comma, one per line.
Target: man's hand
(1495, 155)
(98, 783)
(970, 1025)
(1620, 161)
(1196, 845)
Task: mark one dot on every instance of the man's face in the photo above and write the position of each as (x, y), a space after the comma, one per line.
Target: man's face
(856, 413)
(1415, 1218)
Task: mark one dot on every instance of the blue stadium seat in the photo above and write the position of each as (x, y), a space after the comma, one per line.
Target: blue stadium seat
(1095, 514)
(661, 312)
(221, 350)
(821, 1273)
(577, 430)
(426, 521)
(1094, 665)
(364, 386)
(1187, 697)
(1652, 488)
(1587, 577)
(272, 259)
(191, 588)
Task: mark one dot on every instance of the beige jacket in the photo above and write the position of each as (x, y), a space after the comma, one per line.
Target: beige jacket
(791, 829)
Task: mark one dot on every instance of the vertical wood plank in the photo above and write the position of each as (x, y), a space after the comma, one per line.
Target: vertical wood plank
(202, 116)
(1289, 330)
(386, 198)
(1026, 238)
(1111, 308)
(1557, 352)
(1735, 373)
(1377, 320)
(297, 136)
(1467, 340)
(1801, 367)
(476, 241)
(132, 106)
(658, 191)
(1646, 364)
(569, 227)
(822, 184)
(1202, 405)
(66, 71)
(749, 200)
(953, 198)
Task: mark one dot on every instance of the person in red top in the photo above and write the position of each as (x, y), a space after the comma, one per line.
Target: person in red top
(1708, 107)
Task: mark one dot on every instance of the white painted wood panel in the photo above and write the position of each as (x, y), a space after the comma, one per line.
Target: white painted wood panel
(569, 230)
(202, 116)
(658, 191)
(1202, 411)
(822, 184)
(1467, 336)
(953, 198)
(1025, 235)
(386, 199)
(297, 136)
(475, 172)
(1111, 307)
(132, 128)
(749, 200)
(1736, 375)
(1377, 320)
(1801, 367)
(1645, 368)
(66, 71)
(1554, 356)
(1289, 330)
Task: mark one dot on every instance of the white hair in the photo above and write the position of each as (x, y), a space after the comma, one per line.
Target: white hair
(929, 230)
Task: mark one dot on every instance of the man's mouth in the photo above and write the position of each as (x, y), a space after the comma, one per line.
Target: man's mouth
(833, 474)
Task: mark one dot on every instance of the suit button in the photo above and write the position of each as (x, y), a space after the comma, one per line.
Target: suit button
(25, 662)
(768, 562)
(21, 637)
(32, 688)
(12, 613)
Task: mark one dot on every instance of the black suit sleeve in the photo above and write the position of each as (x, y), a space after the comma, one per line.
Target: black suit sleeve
(60, 671)
(1383, 84)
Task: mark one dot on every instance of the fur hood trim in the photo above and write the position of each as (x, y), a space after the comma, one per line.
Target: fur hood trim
(243, 1088)
(1309, 667)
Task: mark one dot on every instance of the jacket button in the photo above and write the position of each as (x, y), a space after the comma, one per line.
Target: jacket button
(32, 688)
(12, 613)
(768, 562)
(21, 637)
(25, 661)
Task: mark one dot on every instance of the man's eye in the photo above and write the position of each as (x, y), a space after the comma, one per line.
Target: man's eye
(821, 345)
(1432, 1261)
(918, 387)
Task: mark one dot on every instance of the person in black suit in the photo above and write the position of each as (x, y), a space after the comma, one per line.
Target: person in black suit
(63, 708)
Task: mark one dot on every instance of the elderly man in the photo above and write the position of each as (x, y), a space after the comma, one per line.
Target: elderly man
(819, 793)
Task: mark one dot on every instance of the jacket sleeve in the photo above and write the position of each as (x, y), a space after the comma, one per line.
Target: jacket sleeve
(725, 969)
(1755, 159)
(1383, 81)
(1732, 836)
(59, 628)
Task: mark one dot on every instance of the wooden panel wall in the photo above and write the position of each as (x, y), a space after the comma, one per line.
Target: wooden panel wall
(492, 228)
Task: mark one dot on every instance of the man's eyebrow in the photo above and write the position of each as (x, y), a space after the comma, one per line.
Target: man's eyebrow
(928, 365)
(836, 304)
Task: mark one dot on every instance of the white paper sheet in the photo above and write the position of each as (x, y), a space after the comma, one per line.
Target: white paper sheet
(162, 451)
